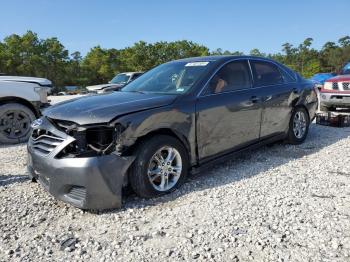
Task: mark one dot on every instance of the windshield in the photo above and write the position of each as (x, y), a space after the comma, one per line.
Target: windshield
(120, 79)
(170, 78)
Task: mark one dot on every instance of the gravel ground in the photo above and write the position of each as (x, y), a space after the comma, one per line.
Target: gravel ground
(278, 203)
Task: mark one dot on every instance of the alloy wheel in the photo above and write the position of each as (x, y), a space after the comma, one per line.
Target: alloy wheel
(165, 168)
(299, 124)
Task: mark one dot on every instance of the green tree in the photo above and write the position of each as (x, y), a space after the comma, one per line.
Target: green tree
(256, 52)
(29, 55)
(219, 51)
(344, 41)
(56, 61)
(100, 65)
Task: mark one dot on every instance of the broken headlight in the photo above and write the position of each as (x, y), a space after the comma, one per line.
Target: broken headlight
(91, 141)
(101, 139)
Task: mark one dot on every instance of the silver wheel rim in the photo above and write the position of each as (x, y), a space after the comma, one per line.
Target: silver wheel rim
(165, 168)
(299, 124)
(14, 124)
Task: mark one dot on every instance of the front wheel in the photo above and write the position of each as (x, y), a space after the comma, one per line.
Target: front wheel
(298, 126)
(160, 167)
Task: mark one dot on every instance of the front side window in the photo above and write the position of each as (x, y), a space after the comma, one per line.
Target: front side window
(232, 76)
(170, 78)
(266, 74)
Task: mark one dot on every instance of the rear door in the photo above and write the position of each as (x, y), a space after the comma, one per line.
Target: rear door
(278, 90)
(228, 112)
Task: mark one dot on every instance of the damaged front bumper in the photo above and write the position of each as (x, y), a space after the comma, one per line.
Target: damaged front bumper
(85, 182)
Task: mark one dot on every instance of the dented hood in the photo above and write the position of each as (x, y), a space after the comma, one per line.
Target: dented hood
(105, 107)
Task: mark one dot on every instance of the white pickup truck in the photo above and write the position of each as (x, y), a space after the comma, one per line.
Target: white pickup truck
(118, 82)
(21, 99)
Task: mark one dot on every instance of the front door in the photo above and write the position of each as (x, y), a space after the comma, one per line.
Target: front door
(228, 112)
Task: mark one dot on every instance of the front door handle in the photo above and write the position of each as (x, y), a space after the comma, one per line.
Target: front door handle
(254, 99)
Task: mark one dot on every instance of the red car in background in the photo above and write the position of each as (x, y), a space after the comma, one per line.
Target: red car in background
(335, 93)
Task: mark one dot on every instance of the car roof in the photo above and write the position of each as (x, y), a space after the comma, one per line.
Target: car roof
(221, 58)
(130, 73)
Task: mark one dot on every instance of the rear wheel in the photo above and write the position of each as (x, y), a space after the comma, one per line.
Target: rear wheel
(298, 126)
(160, 167)
(15, 120)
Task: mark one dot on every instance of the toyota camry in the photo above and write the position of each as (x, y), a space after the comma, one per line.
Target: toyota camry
(178, 117)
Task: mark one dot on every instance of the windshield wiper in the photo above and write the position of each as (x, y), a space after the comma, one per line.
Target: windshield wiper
(135, 91)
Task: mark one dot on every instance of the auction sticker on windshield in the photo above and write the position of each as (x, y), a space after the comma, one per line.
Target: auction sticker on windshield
(197, 64)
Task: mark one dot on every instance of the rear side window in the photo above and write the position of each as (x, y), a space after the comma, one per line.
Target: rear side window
(232, 76)
(266, 74)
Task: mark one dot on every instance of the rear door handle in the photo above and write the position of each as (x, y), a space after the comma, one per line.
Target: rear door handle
(267, 98)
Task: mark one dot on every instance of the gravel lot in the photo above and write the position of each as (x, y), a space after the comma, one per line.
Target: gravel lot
(278, 203)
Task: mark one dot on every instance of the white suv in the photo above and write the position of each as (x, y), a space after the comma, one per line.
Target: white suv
(20, 101)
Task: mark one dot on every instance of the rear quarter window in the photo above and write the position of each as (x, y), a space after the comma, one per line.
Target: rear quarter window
(289, 77)
(135, 76)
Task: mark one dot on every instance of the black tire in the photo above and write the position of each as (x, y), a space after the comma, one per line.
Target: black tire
(138, 175)
(26, 116)
(292, 137)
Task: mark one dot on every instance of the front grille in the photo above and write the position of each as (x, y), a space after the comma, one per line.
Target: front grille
(63, 125)
(346, 86)
(44, 141)
(77, 193)
(335, 86)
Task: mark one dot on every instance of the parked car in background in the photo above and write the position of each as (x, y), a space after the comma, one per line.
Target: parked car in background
(21, 99)
(182, 115)
(71, 90)
(335, 93)
(115, 84)
(346, 69)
